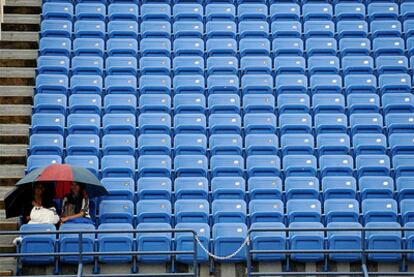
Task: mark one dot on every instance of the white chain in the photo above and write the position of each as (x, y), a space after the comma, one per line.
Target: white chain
(245, 242)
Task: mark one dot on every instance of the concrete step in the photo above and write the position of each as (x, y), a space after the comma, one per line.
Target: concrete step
(22, 19)
(18, 54)
(17, 72)
(10, 174)
(7, 266)
(16, 95)
(15, 114)
(25, 3)
(14, 133)
(13, 153)
(20, 36)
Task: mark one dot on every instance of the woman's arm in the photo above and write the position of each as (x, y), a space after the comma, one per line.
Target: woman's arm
(66, 218)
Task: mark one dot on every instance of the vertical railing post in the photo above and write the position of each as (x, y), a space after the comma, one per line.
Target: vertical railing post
(249, 257)
(195, 262)
(363, 258)
(80, 266)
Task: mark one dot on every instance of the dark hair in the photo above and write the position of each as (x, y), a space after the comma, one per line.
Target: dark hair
(76, 200)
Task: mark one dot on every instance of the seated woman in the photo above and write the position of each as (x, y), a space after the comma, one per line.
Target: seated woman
(75, 206)
(40, 208)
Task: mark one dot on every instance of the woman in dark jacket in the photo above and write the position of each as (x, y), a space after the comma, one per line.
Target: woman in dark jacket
(75, 205)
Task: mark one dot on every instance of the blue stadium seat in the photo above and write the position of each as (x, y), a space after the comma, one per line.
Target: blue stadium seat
(333, 144)
(398, 103)
(119, 188)
(220, 11)
(339, 187)
(392, 83)
(406, 10)
(191, 188)
(155, 29)
(90, 11)
(86, 84)
(299, 165)
(382, 11)
(121, 65)
(190, 165)
(226, 165)
(360, 83)
(120, 103)
(373, 165)
(286, 29)
(70, 242)
(222, 84)
(229, 211)
(89, 29)
(341, 210)
(222, 65)
(403, 165)
(376, 187)
(388, 46)
(37, 243)
(349, 240)
(379, 210)
(115, 242)
(293, 103)
(53, 65)
(406, 208)
(228, 188)
(48, 123)
(220, 47)
(188, 65)
(384, 28)
(399, 122)
(154, 103)
(291, 83)
(330, 123)
(263, 165)
(226, 144)
(56, 28)
(85, 104)
(87, 65)
(392, 64)
(155, 65)
(190, 123)
(187, 11)
(82, 144)
(126, 47)
(123, 29)
(306, 240)
(329, 103)
(316, 11)
(120, 84)
(349, 10)
(266, 210)
(318, 28)
(118, 123)
(257, 84)
(52, 83)
(255, 64)
(358, 64)
(51, 46)
(123, 11)
(154, 165)
(352, 29)
(118, 165)
(49, 103)
(257, 144)
(275, 240)
(265, 187)
(37, 161)
(116, 211)
(154, 188)
(297, 144)
(154, 210)
(224, 123)
(381, 239)
(89, 162)
(51, 10)
(224, 103)
(264, 123)
(363, 102)
(191, 211)
(354, 46)
(289, 64)
(301, 188)
(369, 143)
(252, 11)
(155, 11)
(193, 29)
(189, 144)
(401, 144)
(89, 46)
(188, 84)
(154, 84)
(323, 65)
(303, 210)
(287, 46)
(220, 29)
(155, 46)
(83, 123)
(46, 144)
(154, 123)
(284, 11)
(185, 241)
(325, 83)
(332, 165)
(227, 237)
(156, 144)
(404, 187)
(295, 123)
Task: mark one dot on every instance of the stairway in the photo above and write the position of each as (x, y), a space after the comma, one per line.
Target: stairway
(18, 53)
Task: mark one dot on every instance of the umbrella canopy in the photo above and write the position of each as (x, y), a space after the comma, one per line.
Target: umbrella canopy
(61, 176)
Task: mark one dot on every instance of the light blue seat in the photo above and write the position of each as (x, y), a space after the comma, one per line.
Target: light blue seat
(116, 211)
(295, 123)
(349, 240)
(118, 165)
(120, 84)
(82, 144)
(227, 237)
(398, 102)
(224, 123)
(155, 84)
(83, 124)
(252, 11)
(222, 84)
(306, 240)
(341, 210)
(258, 103)
(293, 103)
(38, 161)
(87, 65)
(119, 188)
(120, 103)
(323, 65)
(191, 165)
(84, 84)
(222, 65)
(52, 83)
(373, 165)
(284, 11)
(369, 143)
(154, 123)
(363, 102)
(381, 239)
(52, 46)
(154, 65)
(333, 144)
(354, 46)
(392, 83)
(379, 210)
(275, 240)
(228, 188)
(220, 11)
(257, 144)
(56, 28)
(190, 123)
(115, 242)
(288, 46)
(401, 144)
(187, 11)
(289, 64)
(90, 11)
(226, 165)
(376, 187)
(264, 123)
(318, 28)
(121, 65)
(328, 103)
(403, 165)
(155, 47)
(333, 165)
(382, 11)
(124, 47)
(43, 123)
(50, 103)
(263, 165)
(266, 210)
(255, 65)
(291, 83)
(191, 188)
(38, 243)
(321, 46)
(299, 165)
(297, 144)
(360, 83)
(154, 188)
(193, 29)
(225, 144)
(53, 65)
(155, 29)
(392, 64)
(123, 11)
(406, 208)
(301, 187)
(188, 65)
(119, 123)
(358, 64)
(349, 10)
(264, 187)
(388, 46)
(46, 144)
(154, 103)
(224, 103)
(334, 187)
(220, 29)
(191, 211)
(89, 29)
(384, 28)
(404, 187)
(286, 29)
(229, 211)
(189, 144)
(317, 11)
(330, 123)
(325, 83)
(399, 122)
(70, 242)
(55, 11)
(154, 210)
(303, 210)
(366, 123)
(155, 11)
(257, 84)
(188, 84)
(154, 144)
(185, 241)
(89, 162)
(154, 165)
(123, 29)
(221, 47)
(352, 29)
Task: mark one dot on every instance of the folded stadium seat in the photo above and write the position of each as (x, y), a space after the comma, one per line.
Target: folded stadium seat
(221, 29)
(340, 240)
(392, 64)
(369, 144)
(89, 46)
(349, 10)
(188, 84)
(37, 161)
(263, 165)
(291, 83)
(357, 64)
(293, 103)
(155, 84)
(295, 123)
(264, 188)
(58, 11)
(122, 84)
(379, 210)
(366, 123)
(407, 208)
(223, 84)
(255, 65)
(330, 123)
(401, 144)
(252, 11)
(154, 123)
(118, 165)
(49, 103)
(155, 11)
(52, 83)
(312, 11)
(46, 144)
(90, 11)
(123, 11)
(37, 243)
(87, 65)
(339, 187)
(86, 84)
(154, 144)
(190, 65)
(48, 123)
(187, 11)
(123, 29)
(192, 28)
(287, 46)
(321, 46)
(155, 29)
(115, 242)
(290, 64)
(224, 103)
(228, 188)
(220, 11)
(399, 122)
(352, 29)
(363, 102)
(224, 123)
(229, 211)
(394, 83)
(154, 210)
(299, 165)
(226, 165)
(257, 144)
(85, 104)
(266, 210)
(89, 162)
(384, 28)
(190, 165)
(376, 187)
(384, 240)
(226, 144)
(301, 144)
(408, 28)
(336, 144)
(83, 123)
(190, 123)
(328, 103)
(89, 29)
(354, 46)
(382, 11)
(120, 103)
(403, 165)
(306, 240)
(336, 165)
(408, 235)
(154, 188)
(301, 187)
(184, 241)
(404, 187)
(51, 46)
(264, 123)
(274, 240)
(398, 102)
(119, 123)
(55, 28)
(122, 188)
(154, 65)
(286, 29)
(191, 211)
(70, 242)
(318, 28)
(341, 210)
(190, 144)
(82, 144)
(121, 65)
(323, 65)
(325, 83)
(257, 84)
(407, 10)
(220, 47)
(154, 103)
(284, 11)
(155, 47)
(373, 165)
(221, 65)
(228, 237)
(191, 188)
(303, 210)
(360, 83)
(125, 47)
(52, 65)
(388, 46)
(154, 166)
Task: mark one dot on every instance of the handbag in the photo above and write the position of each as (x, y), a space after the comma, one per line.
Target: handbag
(41, 215)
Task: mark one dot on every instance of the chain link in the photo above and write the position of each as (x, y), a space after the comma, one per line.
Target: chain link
(245, 242)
